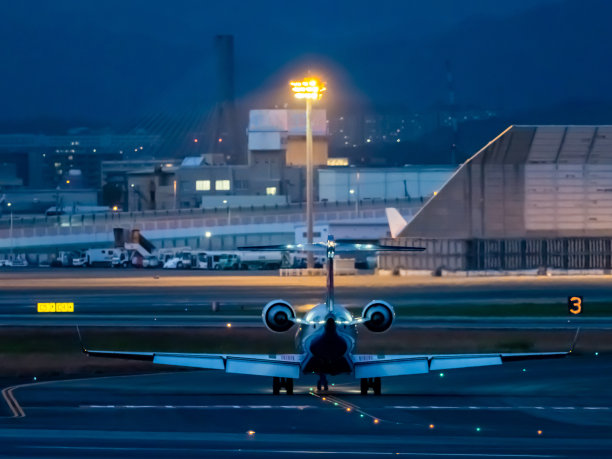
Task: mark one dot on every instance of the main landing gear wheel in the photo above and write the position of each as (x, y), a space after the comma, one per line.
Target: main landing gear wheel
(374, 383)
(282, 383)
(322, 383)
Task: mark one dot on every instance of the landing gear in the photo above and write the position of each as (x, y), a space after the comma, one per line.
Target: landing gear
(367, 383)
(322, 383)
(282, 383)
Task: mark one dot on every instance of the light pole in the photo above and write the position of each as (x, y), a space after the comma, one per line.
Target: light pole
(10, 206)
(309, 89)
(229, 212)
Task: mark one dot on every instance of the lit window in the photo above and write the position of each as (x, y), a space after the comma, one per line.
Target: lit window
(222, 185)
(271, 190)
(202, 185)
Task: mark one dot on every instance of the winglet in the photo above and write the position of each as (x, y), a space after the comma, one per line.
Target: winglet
(575, 340)
(81, 340)
(397, 223)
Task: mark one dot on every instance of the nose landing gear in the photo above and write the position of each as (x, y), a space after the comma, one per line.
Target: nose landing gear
(322, 383)
(373, 383)
(282, 383)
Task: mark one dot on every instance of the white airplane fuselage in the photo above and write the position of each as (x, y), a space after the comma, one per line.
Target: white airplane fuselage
(328, 340)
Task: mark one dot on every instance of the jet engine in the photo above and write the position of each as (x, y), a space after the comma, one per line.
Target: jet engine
(278, 316)
(378, 316)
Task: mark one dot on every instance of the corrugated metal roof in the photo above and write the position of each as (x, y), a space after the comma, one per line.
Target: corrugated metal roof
(549, 145)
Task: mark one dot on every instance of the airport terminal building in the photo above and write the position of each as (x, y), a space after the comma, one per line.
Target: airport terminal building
(534, 197)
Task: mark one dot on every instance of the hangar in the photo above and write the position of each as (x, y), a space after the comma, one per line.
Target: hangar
(533, 197)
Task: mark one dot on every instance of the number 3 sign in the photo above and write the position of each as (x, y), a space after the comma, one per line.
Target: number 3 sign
(574, 304)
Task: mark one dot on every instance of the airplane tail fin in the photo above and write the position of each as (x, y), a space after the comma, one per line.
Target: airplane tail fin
(397, 223)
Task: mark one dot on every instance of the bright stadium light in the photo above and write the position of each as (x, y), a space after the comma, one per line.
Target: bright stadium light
(308, 89)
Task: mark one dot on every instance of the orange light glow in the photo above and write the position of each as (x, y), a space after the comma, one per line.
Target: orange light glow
(195, 140)
(348, 410)
(220, 140)
(312, 88)
(229, 325)
(324, 399)
(539, 432)
(376, 421)
(431, 426)
(68, 181)
(251, 433)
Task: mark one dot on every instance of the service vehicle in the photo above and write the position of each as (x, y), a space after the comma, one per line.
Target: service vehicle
(224, 261)
(260, 260)
(150, 261)
(121, 259)
(101, 257)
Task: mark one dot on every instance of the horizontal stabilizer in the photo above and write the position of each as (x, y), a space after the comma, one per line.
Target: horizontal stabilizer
(342, 245)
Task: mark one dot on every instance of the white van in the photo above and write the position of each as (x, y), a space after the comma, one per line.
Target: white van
(100, 257)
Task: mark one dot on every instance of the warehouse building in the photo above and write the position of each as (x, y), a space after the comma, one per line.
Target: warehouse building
(534, 197)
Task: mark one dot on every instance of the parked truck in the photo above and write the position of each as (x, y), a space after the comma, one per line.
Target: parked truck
(260, 260)
(102, 257)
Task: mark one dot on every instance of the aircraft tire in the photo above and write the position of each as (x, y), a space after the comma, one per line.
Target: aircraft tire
(363, 383)
(289, 386)
(276, 386)
(377, 386)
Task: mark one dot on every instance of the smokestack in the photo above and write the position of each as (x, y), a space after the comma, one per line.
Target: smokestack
(225, 136)
(224, 51)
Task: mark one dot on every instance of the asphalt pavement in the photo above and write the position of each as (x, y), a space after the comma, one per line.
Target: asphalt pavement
(558, 408)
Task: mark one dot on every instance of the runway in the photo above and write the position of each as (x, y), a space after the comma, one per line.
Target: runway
(560, 408)
(125, 291)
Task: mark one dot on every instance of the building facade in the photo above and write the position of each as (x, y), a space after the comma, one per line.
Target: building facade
(535, 196)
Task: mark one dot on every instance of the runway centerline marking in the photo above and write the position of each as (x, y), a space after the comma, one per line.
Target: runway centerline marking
(203, 407)
(286, 451)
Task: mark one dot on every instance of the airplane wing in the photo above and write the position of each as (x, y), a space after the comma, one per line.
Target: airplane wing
(374, 366)
(279, 365)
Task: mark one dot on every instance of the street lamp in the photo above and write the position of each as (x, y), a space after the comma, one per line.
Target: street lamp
(308, 89)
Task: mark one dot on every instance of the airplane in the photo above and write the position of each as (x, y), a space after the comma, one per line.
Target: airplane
(326, 338)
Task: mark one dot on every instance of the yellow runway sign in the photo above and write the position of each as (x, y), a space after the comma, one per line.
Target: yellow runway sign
(55, 307)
